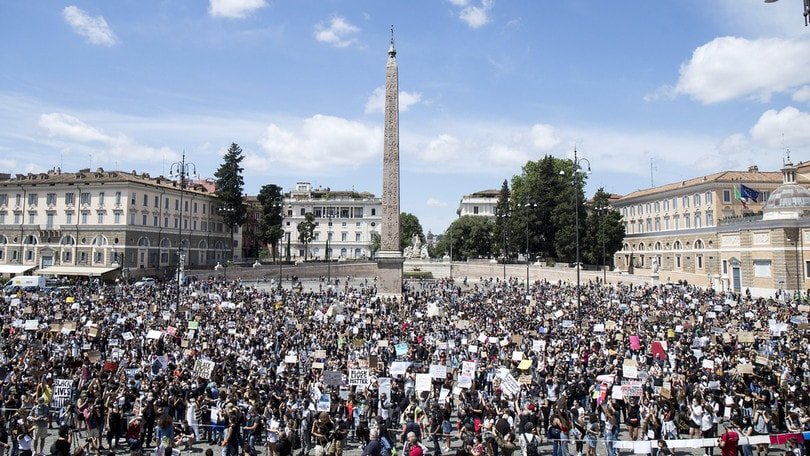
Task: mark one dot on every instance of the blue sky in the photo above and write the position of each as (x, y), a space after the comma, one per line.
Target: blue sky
(697, 86)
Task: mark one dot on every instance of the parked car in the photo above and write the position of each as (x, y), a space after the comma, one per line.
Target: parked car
(146, 282)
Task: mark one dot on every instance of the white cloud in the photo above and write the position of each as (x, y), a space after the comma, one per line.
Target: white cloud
(71, 132)
(95, 29)
(790, 122)
(544, 137)
(727, 68)
(477, 16)
(460, 3)
(234, 9)
(802, 95)
(444, 148)
(320, 143)
(433, 202)
(339, 32)
(376, 101)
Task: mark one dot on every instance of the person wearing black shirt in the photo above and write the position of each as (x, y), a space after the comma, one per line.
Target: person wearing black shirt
(373, 447)
(61, 447)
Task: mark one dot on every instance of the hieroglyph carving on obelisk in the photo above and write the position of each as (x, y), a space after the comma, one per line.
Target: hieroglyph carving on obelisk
(389, 236)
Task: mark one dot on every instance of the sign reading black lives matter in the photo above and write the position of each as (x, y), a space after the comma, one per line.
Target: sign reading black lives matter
(358, 377)
(61, 392)
(203, 368)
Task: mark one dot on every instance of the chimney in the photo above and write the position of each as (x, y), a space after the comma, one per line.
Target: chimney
(753, 169)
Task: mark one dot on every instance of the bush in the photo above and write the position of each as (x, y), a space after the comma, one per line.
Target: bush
(418, 274)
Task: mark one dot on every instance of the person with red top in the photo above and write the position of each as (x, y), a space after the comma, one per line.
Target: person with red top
(729, 441)
(413, 447)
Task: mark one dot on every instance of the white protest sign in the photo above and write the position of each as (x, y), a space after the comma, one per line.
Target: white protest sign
(358, 377)
(399, 368)
(510, 386)
(438, 371)
(423, 382)
(61, 392)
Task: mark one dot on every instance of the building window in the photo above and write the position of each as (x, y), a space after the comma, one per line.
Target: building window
(177, 204)
(84, 218)
(699, 259)
(2, 219)
(186, 207)
(677, 262)
(31, 217)
(117, 198)
(143, 219)
(709, 218)
(50, 199)
(807, 269)
(373, 212)
(155, 221)
(698, 220)
(686, 221)
(69, 219)
(203, 208)
(145, 200)
(117, 218)
(32, 199)
(685, 202)
(657, 206)
(475, 209)
(666, 205)
(726, 196)
(708, 198)
(133, 198)
(648, 208)
(725, 267)
(132, 218)
(674, 203)
(649, 225)
(356, 237)
(3, 199)
(195, 208)
(763, 196)
(344, 236)
(100, 218)
(762, 268)
(696, 199)
(84, 198)
(657, 224)
(666, 223)
(165, 222)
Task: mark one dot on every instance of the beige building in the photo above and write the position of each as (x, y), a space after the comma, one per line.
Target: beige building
(698, 230)
(97, 222)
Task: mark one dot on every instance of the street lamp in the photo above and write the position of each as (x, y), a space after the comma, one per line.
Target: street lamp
(224, 211)
(576, 182)
(602, 211)
(504, 216)
(181, 169)
(527, 206)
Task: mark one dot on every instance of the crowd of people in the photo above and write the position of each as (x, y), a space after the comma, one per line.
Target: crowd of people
(472, 368)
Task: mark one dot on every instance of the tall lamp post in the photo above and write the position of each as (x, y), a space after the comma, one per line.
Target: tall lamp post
(576, 179)
(504, 216)
(227, 210)
(527, 206)
(182, 170)
(603, 211)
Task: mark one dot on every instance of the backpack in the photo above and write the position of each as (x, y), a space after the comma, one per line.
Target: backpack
(533, 446)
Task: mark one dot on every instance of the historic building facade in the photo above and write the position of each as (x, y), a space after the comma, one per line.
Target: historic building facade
(481, 203)
(99, 221)
(346, 219)
(701, 231)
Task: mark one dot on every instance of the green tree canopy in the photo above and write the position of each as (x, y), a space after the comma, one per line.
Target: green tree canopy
(408, 226)
(306, 231)
(229, 187)
(605, 230)
(470, 237)
(270, 230)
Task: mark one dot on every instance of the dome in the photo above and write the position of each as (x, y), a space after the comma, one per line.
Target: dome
(790, 200)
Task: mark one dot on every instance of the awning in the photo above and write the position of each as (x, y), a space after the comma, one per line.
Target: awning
(14, 268)
(84, 271)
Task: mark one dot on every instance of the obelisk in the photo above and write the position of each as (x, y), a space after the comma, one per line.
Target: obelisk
(389, 260)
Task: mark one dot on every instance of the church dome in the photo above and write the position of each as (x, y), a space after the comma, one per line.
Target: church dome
(790, 200)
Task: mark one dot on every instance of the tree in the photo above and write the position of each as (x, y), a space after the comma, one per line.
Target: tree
(375, 243)
(306, 232)
(470, 236)
(269, 227)
(409, 226)
(604, 230)
(229, 189)
(503, 232)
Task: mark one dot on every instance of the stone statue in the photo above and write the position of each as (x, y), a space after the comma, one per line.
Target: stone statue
(408, 252)
(424, 253)
(417, 244)
(655, 265)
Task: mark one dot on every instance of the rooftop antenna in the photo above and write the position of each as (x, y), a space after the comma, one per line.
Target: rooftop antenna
(786, 158)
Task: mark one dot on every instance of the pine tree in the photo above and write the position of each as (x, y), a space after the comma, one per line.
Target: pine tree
(272, 201)
(229, 189)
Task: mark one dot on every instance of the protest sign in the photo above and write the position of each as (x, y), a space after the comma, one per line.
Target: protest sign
(358, 377)
(203, 368)
(333, 378)
(398, 368)
(633, 389)
(324, 403)
(423, 382)
(510, 386)
(438, 371)
(61, 392)
(401, 349)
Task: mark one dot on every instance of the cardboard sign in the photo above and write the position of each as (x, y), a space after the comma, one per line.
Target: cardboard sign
(632, 390)
(291, 359)
(635, 342)
(398, 368)
(62, 389)
(745, 369)
(154, 334)
(510, 386)
(525, 364)
(31, 325)
(745, 337)
(203, 368)
(401, 349)
(319, 354)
